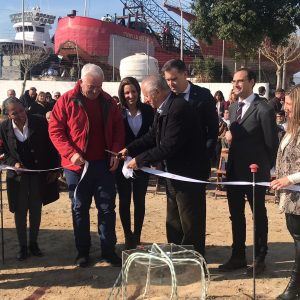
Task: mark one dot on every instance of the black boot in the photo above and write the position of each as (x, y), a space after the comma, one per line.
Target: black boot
(23, 253)
(129, 241)
(292, 290)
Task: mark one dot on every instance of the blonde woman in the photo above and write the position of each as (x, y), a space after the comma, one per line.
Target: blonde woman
(287, 173)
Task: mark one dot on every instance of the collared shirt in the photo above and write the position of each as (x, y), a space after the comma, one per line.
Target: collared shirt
(186, 92)
(21, 136)
(135, 122)
(247, 102)
(162, 106)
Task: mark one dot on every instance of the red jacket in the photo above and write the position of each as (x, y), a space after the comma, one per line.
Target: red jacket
(69, 125)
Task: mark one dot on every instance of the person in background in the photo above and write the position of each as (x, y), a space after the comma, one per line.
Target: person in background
(138, 117)
(287, 173)
(85, 122)
(56, 95)
(278, 101)
(226, 118)
(231, 99)
(40, 106)
(117, 99)
(10, 93)
(220, 103)
(254, 140)
(50, 101)
(281, 120)
(29, 98)
(25, 143)
(262, 93)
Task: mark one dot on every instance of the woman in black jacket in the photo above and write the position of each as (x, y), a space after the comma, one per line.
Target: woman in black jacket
(138, 117)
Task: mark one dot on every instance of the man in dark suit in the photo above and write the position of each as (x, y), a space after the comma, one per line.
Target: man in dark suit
(171, 140)
(204, 114)
(254, 140)
(278, 100)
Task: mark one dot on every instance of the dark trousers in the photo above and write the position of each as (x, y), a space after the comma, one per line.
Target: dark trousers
(293, 225)
(97, 182)
(186, 214)
(236, 202)
(29, 200)
(138, 188)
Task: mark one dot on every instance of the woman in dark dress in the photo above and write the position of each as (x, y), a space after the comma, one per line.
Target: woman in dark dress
(138, 117)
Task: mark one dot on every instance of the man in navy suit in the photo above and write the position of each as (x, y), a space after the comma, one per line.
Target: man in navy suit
(171, 140)
(205, 115)
(254, 140)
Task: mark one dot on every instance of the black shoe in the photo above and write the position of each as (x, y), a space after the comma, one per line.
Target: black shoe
(35, 250)
(82, 261)
(22, 254)
(234, 263)
(259, 268)
(292, 290)
(113, 259)
(130, 242)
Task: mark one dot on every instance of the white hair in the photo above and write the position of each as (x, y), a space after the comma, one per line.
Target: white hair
(155, 82)
(91, 69)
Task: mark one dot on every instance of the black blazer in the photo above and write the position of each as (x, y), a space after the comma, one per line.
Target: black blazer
(171, 139)
(254, 141)
(204, 110)
(147, 120)
(41, 148)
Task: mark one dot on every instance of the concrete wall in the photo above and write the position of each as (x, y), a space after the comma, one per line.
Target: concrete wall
(53, 86)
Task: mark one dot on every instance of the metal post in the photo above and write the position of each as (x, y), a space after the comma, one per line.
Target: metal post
(113, 59)
(259, 65)
(2, 227)
(23, 27)
(85, 7)
(223, 53)
(147, 56)
(181, 31)
(253, 169)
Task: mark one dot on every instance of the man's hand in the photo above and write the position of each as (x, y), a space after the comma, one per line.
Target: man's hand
(77, 159)
(280, 183)
(123, 154)
(132, 164)
(18, 166)
(114, 162)
(228, 137)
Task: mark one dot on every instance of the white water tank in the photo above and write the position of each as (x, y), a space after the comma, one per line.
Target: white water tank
(138, 66)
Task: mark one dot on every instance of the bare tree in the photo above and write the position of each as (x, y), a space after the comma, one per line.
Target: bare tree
(31, 57)
(281, 55)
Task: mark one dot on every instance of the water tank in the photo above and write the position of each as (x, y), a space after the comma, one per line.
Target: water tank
(138, 66)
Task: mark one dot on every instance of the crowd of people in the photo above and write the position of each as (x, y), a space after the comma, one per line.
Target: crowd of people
(179, 128)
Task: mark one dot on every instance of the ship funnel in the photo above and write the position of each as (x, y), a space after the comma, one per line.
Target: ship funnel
(72, 14)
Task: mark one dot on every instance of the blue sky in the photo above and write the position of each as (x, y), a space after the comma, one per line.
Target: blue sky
(95, 9)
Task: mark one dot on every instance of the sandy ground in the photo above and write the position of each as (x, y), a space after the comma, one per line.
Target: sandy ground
(54, 276)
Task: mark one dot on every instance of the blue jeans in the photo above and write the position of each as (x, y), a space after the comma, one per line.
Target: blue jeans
(97, 182)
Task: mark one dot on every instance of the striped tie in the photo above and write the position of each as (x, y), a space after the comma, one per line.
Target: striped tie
(239, 112)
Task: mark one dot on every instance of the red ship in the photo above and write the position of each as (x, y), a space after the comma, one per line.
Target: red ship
(141, 28)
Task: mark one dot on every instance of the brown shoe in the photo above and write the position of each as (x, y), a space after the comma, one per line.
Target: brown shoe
(259, 268)
(233, 264)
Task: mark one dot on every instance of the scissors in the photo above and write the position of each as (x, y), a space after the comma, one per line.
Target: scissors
(118, 155)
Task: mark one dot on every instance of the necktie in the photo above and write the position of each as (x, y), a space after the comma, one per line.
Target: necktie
(239, 111)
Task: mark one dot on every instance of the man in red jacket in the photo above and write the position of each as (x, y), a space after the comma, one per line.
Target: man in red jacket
(84, 122)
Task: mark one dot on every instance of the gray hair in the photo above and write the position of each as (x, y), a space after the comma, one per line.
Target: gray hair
(11, 101)
(91, 69)
(11, 91)
(155, 82)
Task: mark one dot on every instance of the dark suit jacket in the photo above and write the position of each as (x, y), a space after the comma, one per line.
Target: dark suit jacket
(204, 110)
(172, 140)
(275, 103)
(147, 121)
(254, 141)
(41, 148)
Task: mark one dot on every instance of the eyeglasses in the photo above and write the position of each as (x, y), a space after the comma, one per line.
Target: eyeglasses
(239, 81)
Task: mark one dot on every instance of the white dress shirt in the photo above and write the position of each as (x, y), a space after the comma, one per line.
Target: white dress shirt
(186, 92)
(247, 102)
(21, 136)
(135, 122)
